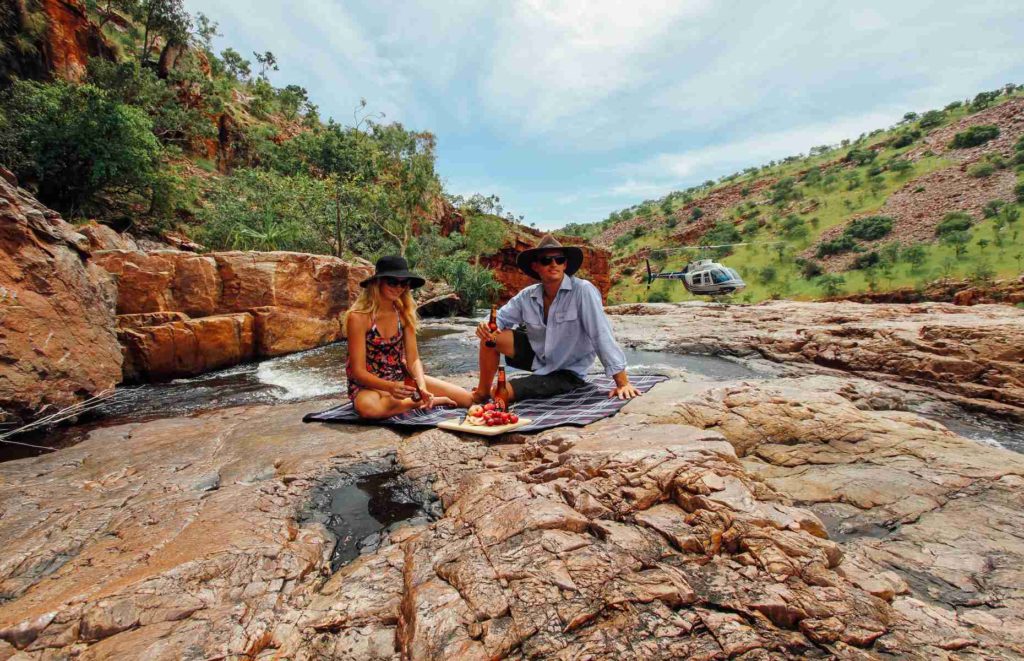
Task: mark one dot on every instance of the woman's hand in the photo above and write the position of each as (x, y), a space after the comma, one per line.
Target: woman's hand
(399, 390)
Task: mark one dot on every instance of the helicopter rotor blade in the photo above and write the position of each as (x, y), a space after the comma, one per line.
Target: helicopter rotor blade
(650, 276)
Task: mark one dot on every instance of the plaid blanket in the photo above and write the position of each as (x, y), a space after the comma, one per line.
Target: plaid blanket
(579, 407)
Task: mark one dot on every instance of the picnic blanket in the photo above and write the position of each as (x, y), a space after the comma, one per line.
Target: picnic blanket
(578, 407)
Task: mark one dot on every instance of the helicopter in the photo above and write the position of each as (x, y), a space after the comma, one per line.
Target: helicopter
(704, 277)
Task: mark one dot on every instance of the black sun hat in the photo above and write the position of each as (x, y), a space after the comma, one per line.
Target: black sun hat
(573, 255)
(393, 266)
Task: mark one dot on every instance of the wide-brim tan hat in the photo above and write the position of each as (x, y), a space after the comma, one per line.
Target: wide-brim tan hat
(573, 255)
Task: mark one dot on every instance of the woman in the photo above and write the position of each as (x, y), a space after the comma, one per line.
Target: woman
(381, 330)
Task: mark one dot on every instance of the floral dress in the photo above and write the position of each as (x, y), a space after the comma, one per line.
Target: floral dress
(385, 357)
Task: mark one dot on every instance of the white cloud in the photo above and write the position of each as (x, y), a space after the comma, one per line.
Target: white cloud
(554, 62)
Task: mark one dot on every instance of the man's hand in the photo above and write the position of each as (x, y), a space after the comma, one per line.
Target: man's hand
(627, 391)
(484, 333)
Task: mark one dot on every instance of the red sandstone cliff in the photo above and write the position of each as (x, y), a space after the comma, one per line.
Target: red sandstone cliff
(503, 263)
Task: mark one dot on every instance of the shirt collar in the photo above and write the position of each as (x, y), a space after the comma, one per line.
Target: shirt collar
(538, 289)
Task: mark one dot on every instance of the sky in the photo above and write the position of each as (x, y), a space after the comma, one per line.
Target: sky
(569, 110)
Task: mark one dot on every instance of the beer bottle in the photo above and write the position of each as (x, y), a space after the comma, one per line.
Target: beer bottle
(501, 391)
(492, 325)
(411, 383)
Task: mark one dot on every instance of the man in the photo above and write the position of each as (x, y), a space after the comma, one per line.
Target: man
(565, 329)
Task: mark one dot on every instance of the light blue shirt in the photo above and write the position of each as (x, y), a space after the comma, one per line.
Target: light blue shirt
(576, 331)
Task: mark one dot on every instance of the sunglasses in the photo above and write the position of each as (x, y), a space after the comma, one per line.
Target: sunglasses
(547, 259)
(395, 282)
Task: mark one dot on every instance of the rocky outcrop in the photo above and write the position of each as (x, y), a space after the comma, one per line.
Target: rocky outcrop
(280, 302)
(57, 335)
(71, 39)
(960, 292)
(973, 356)
(512, 280)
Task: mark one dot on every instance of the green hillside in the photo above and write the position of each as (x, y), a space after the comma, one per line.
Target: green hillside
(961, 164)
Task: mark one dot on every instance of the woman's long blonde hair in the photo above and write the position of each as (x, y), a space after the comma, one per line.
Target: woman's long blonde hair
(370, 302)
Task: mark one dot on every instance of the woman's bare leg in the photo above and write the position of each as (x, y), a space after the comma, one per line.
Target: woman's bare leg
(460, 396)
(489, 357)
(374, 404)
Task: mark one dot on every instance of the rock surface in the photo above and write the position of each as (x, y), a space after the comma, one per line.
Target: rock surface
(57, 335)
(809, 516)
(973, 356)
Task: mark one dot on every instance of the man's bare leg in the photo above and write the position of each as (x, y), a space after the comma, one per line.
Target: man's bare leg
(489, 357)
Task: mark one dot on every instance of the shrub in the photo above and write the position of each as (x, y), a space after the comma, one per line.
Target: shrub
(905, 138)
(981, 170)
(657, 296)
(992, 207)
(931, 118)
(767, 274)
(836, 246)
(831, 284)
(870, 228)
(865, 261)
(974, 136)
(956, 221)
(75, 142)
(1018, 191)
(810, 269)
(860, 156)
(953, 106)
(900, 166)
(696, 213)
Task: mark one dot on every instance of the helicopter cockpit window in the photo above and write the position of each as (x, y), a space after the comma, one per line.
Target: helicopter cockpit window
(733, 273)
(719, 276)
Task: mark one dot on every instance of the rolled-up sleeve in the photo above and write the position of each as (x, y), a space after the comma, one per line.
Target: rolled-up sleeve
(599, 330)
(510, 315)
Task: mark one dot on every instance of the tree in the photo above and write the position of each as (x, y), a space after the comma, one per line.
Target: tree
(162, 18)
(75, 142)
(958, 240)
(915, 255)
(266, 61)
(205, 31)
(485, 235)
(237, 66)
(290, 99)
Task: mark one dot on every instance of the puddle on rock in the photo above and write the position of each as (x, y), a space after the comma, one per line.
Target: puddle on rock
(362, 504)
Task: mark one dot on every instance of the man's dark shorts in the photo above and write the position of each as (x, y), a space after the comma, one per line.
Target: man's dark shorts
(537, 385)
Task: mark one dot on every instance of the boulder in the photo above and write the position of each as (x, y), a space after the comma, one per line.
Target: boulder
(57, 338)
(164, 281)
(103, 237)
(189, 347)
(280, 331)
